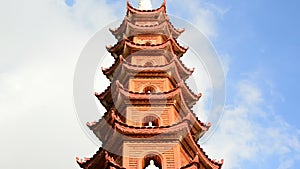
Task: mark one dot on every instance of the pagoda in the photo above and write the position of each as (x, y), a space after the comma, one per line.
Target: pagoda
(149, 121)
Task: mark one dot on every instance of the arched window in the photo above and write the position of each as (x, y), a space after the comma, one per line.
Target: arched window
(156, 159)
(148, 43)
(151, 121)
(148, 64)
(149, 89)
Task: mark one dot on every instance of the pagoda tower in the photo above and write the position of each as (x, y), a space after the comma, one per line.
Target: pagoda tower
(149, 122)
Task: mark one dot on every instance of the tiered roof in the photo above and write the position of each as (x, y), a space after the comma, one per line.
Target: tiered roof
(190, 122)
(114, 93)
(126, 47)
(182, 129)
(174, 70)
(128, 29)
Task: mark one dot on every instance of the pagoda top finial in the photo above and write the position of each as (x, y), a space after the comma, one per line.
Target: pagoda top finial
(145, 5)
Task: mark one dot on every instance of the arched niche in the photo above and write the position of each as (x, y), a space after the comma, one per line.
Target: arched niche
(149, 89)
(148, 64)
(156, 157)
(153, 119)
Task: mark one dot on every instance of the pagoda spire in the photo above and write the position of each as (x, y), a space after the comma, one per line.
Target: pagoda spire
(145, 5)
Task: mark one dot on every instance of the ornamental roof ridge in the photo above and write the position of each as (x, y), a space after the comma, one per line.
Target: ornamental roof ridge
(112, 30)
(112, 162)
(102, 94)
(167, 19)
(181, 73)
(175, 60)
(103, 155)
(123, 127)
(212, 161)
(188, 116)
(117, 120)
(159, 95)
(127, 42)
(205, 127)
(187, 88)
(92, 124)
(195, 115)
(109, 70)
(201, 154)
(176, 90)
(180, 30)
(126, 22)
(110, 117)
(131, 92)
(114, 114)
(135, 95)
(181, 63)
(185, 48)
(83, 162)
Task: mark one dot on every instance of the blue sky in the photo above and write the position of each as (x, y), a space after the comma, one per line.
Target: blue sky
(262, 40)
(257, 41)
(264, 36)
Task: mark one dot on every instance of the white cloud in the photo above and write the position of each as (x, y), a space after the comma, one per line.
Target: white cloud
(248, 134)
(42, 41)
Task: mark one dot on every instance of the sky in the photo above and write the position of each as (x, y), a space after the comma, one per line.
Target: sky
(257, 42)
